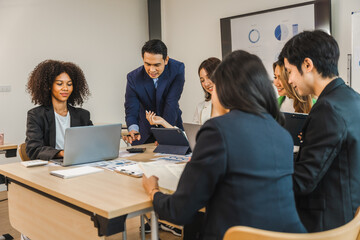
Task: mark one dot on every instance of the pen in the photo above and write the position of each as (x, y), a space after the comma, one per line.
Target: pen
(134, 134)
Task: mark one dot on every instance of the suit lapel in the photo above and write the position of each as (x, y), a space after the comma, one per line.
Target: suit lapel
(50, 116)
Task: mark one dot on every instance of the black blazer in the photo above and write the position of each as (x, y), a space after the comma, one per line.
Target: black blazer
(327, 168)
(241, 171)
(41, 130)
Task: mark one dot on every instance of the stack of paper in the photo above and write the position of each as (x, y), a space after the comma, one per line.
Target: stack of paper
(168, 173)
(75, 172)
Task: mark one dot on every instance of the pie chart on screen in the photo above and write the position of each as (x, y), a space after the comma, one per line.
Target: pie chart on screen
(281, 32)
(254, 36)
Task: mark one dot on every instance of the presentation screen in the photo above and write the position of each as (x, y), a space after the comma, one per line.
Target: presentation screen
(264, 33)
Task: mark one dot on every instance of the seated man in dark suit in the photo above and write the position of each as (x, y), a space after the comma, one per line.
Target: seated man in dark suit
(327, 168)
(156, 86)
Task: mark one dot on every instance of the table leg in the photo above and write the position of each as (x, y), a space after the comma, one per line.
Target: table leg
(142, 224)
(154, 226)
(124, 232)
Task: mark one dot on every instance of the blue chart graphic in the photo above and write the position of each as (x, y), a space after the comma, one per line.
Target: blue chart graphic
(254, 36)
(281, 32)
(295, 28)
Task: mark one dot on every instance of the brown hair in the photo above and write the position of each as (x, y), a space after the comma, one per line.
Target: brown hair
(43, 76)
(209, 65)
(302, 104)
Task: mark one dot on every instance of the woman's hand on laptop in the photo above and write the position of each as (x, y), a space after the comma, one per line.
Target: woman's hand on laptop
(60, 154)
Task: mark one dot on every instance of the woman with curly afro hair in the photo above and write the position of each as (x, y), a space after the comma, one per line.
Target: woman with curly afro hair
(57, 87)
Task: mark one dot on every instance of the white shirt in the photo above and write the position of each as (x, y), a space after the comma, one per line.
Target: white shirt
(287, 105)
(61, 123)
(203, 112)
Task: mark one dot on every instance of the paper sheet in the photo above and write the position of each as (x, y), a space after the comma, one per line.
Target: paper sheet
(111, 164)
(168, 173)
(172, 158)
(130, 169)
(176, 169)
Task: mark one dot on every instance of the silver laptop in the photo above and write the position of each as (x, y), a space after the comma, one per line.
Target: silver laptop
(91, 143)
(191, 130)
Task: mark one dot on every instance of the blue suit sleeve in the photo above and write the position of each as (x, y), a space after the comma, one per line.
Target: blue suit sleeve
(133, 127)
(132, 104)
(171, 107)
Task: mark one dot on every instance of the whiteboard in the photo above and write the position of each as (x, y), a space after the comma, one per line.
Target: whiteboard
(265, 34)
(355, 61)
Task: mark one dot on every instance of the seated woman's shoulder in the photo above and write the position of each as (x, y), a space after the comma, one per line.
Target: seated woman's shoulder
(38, 109)
(80, 109)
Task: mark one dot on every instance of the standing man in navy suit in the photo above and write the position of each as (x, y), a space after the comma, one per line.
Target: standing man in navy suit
(156, 86)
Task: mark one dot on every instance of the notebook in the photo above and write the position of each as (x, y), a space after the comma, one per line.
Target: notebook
(75, 172)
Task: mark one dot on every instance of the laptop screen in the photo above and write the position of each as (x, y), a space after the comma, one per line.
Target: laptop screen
(191, 130)
(91, 143)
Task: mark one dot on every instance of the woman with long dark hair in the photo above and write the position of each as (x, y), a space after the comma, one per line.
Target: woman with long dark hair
(241, 167)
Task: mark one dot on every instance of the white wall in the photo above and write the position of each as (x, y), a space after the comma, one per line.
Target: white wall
(191, 30)
(341, 29)
(104, 37)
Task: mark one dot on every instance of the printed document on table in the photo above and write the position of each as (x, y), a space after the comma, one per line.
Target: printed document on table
(168, 173)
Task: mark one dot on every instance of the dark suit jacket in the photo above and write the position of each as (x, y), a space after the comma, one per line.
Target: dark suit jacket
(241, 171)
(141, 95)
(327, 168)
(41, 130)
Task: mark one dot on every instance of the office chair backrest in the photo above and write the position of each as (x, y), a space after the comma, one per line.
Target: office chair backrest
(349, 231)
(22, 152)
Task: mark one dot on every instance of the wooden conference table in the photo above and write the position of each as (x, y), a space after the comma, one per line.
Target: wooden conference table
(42, 206)
(9, 149)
